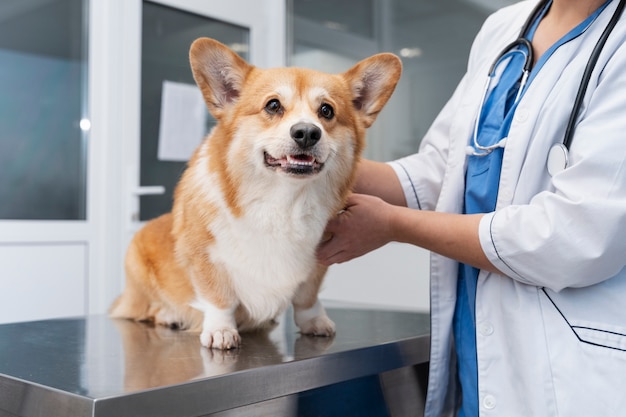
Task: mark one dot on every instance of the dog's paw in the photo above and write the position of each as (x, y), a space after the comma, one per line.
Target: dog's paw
(318, 326)
(222, 339)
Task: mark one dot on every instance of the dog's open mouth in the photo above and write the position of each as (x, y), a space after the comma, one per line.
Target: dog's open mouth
(299, 164)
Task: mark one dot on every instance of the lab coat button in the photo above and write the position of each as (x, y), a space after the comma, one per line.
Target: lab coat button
(521, 115)
(486, 329)
(489, 402)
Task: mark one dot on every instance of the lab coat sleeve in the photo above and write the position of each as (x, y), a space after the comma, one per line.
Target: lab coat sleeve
(573, 235)
(421, 174)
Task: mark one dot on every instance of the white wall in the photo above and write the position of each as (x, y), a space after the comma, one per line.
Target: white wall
(394, 276)
(29, 294)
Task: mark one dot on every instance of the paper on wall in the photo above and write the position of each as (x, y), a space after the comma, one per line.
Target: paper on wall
(183, 121)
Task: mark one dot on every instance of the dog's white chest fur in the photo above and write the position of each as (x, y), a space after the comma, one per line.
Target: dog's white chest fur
(269, 250)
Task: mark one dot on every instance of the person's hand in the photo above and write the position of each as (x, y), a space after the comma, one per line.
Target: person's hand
(363, 226)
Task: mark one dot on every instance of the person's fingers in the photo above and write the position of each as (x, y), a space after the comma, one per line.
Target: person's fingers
(337, 257)
(327, 250)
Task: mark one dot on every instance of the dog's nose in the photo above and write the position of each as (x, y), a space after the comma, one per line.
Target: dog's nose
(305, 134)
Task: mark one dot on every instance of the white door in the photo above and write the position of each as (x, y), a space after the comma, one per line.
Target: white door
(70, 137)
(45, 162)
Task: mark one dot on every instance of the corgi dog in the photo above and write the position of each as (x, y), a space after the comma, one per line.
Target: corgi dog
(249, 211)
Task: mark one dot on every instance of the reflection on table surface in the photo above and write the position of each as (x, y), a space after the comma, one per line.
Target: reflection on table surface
(157, 356)
(97, 357)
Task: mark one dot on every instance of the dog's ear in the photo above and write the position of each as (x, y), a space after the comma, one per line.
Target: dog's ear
(219, 72)
(372, 82)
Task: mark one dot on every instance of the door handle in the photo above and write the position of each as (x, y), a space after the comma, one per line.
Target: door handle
(149, 190)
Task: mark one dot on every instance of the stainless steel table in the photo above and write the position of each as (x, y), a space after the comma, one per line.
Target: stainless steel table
(95, 366)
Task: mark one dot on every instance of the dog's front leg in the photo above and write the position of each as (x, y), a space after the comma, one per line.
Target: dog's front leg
(216, 301)
(219, 329)
(309, 313)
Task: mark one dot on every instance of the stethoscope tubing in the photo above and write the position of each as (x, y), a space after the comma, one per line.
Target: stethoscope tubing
(478, 149)
(558, 157)
(582, 89)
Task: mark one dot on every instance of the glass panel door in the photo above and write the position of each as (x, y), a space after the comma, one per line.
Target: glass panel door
(174, 119)
(42, 101)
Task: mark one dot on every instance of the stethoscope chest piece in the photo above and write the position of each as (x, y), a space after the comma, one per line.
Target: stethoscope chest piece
(558, 159)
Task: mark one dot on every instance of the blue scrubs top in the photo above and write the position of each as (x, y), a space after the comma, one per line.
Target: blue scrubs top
(481, 189)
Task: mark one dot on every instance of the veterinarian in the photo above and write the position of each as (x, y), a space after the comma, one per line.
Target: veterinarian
(528, 236)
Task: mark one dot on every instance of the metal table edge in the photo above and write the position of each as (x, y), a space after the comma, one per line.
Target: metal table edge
(241, 388)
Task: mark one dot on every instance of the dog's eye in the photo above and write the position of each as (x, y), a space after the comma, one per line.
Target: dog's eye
(273, 106)
(327, 111)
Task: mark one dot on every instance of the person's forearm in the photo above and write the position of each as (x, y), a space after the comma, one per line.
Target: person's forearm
(379, 179)
(452, 235)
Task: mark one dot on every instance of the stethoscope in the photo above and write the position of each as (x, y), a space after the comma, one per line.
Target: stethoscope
(558, 156)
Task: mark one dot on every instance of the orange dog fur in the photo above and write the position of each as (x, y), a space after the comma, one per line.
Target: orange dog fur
(251, 207)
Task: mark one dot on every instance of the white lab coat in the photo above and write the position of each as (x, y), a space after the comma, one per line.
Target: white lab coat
(551, 331)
